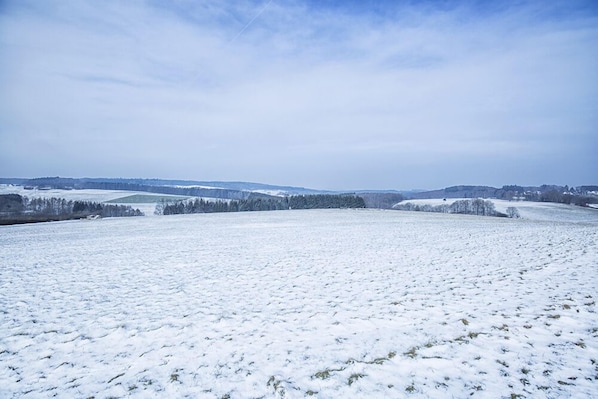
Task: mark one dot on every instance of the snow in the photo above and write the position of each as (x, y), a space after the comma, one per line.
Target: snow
(94, 195)
(82, 195)
(274, 193)
(329, 303)
(74, 195)
(530, 210)
(196, 186)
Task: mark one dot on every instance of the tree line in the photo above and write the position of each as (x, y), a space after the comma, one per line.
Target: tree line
(476, 206)
(582, 195)
(199, 205)
(15, 208)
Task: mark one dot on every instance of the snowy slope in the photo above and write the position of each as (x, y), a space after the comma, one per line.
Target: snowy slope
(329, 304)
(93, 195)
(74, 195)
(545, 211)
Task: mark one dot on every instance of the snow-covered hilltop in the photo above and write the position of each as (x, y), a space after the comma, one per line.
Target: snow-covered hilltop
(211, 189)
(529, 210)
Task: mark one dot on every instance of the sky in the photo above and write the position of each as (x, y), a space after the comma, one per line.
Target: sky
(321, 94)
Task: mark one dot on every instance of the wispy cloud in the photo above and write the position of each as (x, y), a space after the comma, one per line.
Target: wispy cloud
(298, 92)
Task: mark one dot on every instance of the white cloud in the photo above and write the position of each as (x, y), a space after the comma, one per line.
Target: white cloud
(184, 88)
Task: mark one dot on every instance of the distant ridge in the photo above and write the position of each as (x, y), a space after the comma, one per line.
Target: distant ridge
(459, 192)
(509, 192)
(214, 189)
(245, 190)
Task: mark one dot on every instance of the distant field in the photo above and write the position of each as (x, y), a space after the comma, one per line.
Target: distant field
(145, 199)
(530, 210)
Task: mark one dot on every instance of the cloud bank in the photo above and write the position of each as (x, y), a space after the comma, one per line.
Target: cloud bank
(357, 95)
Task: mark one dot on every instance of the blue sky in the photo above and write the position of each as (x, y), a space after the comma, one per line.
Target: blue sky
(322, 94)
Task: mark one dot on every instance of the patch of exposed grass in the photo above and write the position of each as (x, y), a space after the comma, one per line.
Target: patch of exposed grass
(147, 382)
(276, 385)
(354, 377)
(378, 360)
(564, 382)
(323, 375)
(460, 339)
(412, 353)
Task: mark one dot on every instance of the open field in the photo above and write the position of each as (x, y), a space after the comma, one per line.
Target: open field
(328, 303)
(530, 210)
(145, 202)
(74, 195)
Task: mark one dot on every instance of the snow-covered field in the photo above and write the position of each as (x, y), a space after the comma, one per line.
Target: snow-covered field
(546, 211)
(328, 303)
(74, 195)
(111, 196)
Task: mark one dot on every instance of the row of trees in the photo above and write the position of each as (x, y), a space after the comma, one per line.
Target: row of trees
(86, 208)
(15, 208)
(582, 195)
(260, 204)
(565, 198)
(476, 206)
(324, 201)
(199, 205)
